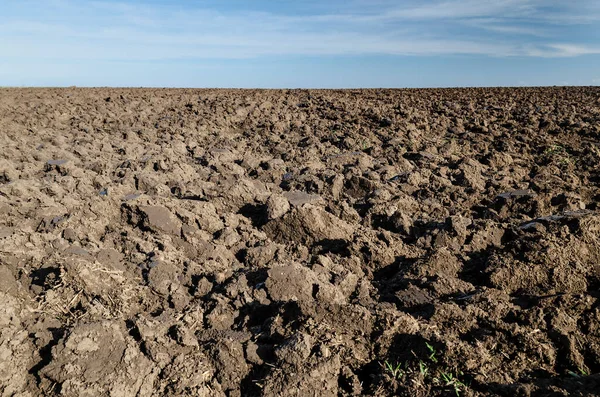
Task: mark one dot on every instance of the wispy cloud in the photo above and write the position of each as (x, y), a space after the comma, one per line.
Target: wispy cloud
(508, 27)
(462, 9)
(122, 31)
(568, 50)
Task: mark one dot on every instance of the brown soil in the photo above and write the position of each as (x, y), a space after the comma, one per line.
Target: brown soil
(299, 243)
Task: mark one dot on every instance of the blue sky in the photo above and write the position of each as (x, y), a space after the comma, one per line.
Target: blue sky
(331, 44)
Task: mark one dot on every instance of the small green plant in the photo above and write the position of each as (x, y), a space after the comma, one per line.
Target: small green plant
(558, 153)
(582, 372)
(444, 377)
(364, 144)
(423, 369)
(554, 149)
(430, 370)
(432, 352)
(394, 370)
(447, 379)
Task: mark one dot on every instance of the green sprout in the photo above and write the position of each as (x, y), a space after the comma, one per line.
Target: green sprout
(423, 369)
(559, 153)
(395, 370)
(582, 372)
(432, 352)
(449, 380)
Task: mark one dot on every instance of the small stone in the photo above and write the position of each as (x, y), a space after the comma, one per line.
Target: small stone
(517, 193)
(533, 227)
(297, 198)
(131, 196)
(277, 206)
(78, 251)
(57, 162)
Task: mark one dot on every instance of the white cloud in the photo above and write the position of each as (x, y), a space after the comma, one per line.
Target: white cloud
(566, 50)
(120, 31)
(463, 9)
(500, 25)
(549, 11)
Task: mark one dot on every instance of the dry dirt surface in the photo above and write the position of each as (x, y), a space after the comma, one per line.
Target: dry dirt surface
(299, 243)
